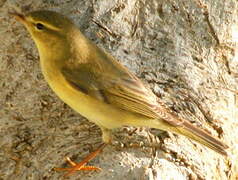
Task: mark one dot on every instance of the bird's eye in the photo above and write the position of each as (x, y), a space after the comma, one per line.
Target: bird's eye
(40, 26)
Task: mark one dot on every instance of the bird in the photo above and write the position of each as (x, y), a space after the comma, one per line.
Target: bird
(97, 86)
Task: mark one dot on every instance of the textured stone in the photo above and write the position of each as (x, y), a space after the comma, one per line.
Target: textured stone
(185, 50)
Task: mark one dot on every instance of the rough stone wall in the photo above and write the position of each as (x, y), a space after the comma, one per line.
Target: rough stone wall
(185, 50)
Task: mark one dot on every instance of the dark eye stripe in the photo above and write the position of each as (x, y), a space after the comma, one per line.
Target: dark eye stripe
(40, 26)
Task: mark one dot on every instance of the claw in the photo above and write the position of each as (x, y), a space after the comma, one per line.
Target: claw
(81, 166)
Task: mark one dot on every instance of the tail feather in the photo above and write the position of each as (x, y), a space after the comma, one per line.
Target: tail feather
(189, 130)
(184, 128)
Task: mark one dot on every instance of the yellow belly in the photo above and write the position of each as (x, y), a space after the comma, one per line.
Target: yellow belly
(104, 115)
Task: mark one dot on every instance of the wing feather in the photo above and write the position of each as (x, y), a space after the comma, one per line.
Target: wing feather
(123, 90)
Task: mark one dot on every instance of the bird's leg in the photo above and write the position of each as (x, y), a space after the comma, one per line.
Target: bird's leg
(106, 136)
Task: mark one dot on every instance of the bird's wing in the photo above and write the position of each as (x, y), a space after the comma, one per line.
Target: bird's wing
(116, 86)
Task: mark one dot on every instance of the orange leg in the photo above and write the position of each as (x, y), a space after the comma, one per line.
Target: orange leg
(81, 166)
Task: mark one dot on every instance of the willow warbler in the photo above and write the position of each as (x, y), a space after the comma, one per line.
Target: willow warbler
(97, 86)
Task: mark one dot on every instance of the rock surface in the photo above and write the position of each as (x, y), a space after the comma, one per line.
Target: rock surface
(185, 50)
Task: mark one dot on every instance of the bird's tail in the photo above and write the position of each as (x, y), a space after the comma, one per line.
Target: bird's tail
(189, 130)
(183, 127)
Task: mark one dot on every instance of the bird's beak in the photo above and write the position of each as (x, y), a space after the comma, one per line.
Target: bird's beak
(19, 17)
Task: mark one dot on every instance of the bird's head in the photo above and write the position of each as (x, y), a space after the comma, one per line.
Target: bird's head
(50, 30)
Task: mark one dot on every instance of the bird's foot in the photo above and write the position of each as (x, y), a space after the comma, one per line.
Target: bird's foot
(81, 166)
